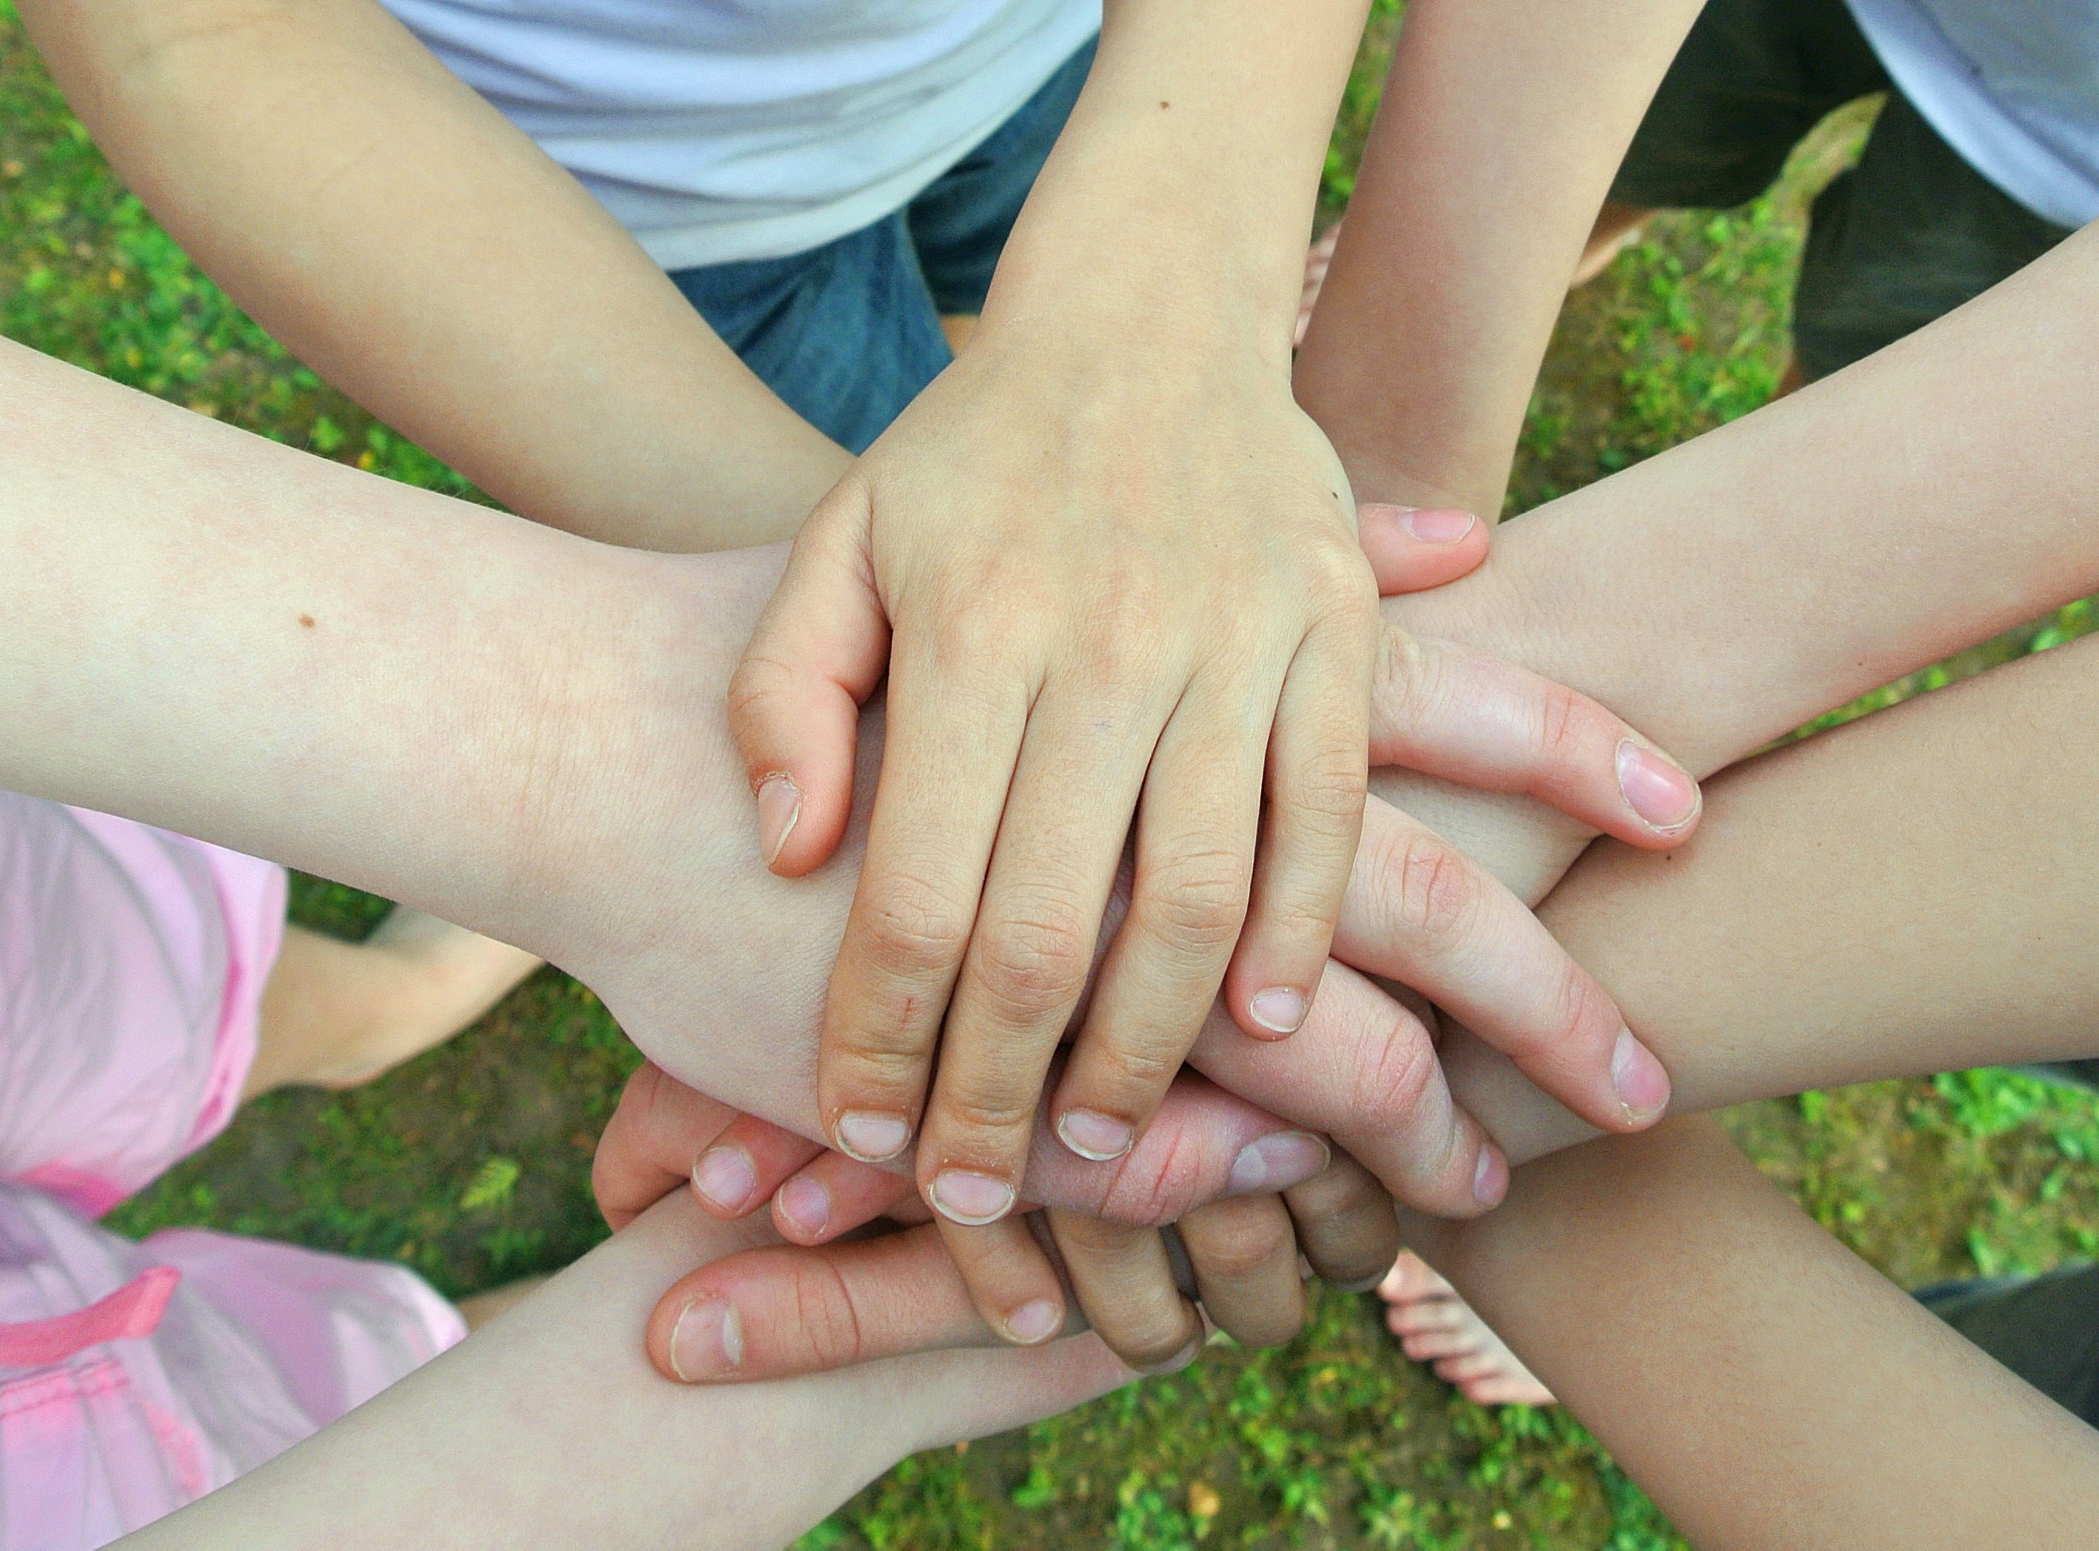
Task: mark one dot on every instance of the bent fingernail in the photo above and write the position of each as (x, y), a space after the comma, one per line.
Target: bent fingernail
(1490, 1176)
(725, 1178)
(971, 1199)
(1276, 1162)
(779, 810)
(707, 1341)
(1095, 1136)
(805, 1205)
(1033, 1323)
(872, 1137)
(1279, 1009)
(1178, 1361)
(1663, 795)
(1436, 524)
(1641, 1084)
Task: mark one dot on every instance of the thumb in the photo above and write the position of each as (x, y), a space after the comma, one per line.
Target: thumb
(1414, 548)
(794, 702)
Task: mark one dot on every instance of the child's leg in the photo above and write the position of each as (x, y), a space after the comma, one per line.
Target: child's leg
(336, 1014)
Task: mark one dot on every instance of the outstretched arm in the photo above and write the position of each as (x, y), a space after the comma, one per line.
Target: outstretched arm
(1765, 1386)
(403, 238)
(549, 1429)
(1501, 127)
(240, 641)
(1732, 588)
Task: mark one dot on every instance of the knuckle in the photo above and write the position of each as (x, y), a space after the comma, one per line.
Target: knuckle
(1032, 963)
(985, 1107)
(1327, 789)
(1562, 720)
(1196, 903)
(1096, 1239)
(1393, 1077)
(1158, 1180)
(1148, 1338)
(1235, 1239)
(1429, 892)
(755, 681)
(908, 925)
(826, 1316)
(1340, 582)
(1404, 679)
(1124, 1067)
(1581, 1005)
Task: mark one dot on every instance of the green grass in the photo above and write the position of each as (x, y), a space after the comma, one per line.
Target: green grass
(472, 1164)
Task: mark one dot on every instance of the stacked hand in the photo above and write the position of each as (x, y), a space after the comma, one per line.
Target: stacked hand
(1369, 1117)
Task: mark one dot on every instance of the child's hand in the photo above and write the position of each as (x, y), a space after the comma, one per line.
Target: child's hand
(1112, 594)
(775, 1314)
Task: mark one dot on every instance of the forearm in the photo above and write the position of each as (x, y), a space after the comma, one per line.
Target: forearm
(1764, 1386)
(1904, 895)
(1730, 589)
(508, 727)
(405, 240)
(1501, 127)
(549, 1429)
(1181, 192)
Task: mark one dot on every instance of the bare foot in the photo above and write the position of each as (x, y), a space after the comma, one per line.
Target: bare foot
(1436, 1326)
(337, 1014)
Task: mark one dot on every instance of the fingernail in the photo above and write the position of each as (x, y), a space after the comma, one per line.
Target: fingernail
(1663, 795)
(1276, 1162)
(1093, 1135)
(969, 1198)
(1178, 1361)
(1278, 1009)
(806, 1205)
(872, 1137)
(707, 1341)
(725, 1178)
(779, 810)
(1490, 1176)
(1034, 1323)
(1641, 1083)
(1436, 524)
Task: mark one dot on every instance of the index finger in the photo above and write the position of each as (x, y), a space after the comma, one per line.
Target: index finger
(1423, 913)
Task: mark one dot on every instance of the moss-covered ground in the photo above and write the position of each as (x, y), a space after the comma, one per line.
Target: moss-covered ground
(472, 1164)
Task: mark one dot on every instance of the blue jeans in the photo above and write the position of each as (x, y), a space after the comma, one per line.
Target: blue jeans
(849, 333)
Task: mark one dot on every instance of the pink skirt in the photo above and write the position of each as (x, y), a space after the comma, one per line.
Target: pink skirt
(134, 1378)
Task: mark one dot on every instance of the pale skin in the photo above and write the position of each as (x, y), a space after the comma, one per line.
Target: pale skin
(1110, 570)
(571, 783)
(1704, 646)
(1895, 1434)
(492, 857)
(529, 1435)
(364, 205)
(1500, 130)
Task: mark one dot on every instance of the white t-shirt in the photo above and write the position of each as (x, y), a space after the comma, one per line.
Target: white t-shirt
(2012, 85)
(736, 129)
